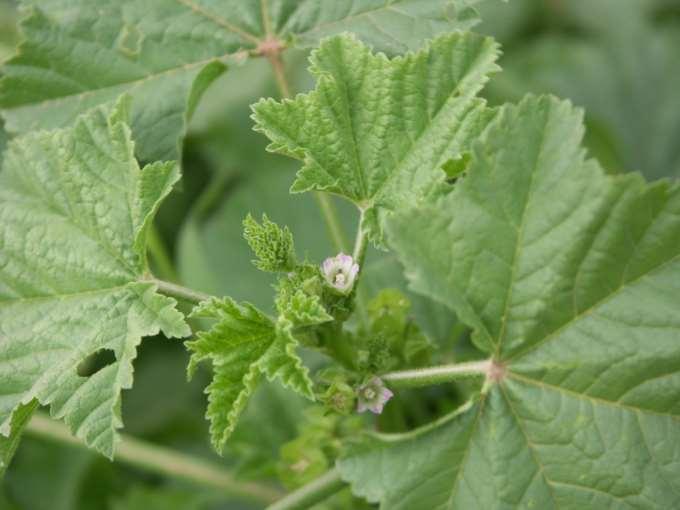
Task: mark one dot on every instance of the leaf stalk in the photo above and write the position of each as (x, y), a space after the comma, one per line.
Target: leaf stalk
(179, 292)
(159, 255)
(438, 374)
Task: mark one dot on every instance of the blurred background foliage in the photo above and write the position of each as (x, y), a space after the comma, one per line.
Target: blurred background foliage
(619, 59)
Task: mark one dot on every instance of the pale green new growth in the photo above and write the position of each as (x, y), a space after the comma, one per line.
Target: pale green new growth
(242, 345)
(569, 278)
(377, 131)
(302, 309)
(272, 245)
(74, 208)
(298, 297)
(165, 53)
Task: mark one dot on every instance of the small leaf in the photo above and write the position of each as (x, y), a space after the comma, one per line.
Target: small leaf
(242, 345)
(299, 298)
(74, 208)
(571, 280)
(390, 321)
(377, 131)
(272, 245)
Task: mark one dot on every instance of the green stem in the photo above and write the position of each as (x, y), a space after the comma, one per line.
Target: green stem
(163, 264)
(163, 461)
(179, 292)
(330, 216)
(360, 243)
(280, 74)
(359, 256)
(438, 375)
(312, 493)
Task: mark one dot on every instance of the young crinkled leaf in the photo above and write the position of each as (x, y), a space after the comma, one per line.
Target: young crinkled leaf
(243, 345)
(272, 245)
(571, 280)
(299, 297)
(74, 209)
(377, 131)
(80, 53)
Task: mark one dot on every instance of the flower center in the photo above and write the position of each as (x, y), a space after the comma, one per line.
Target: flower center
(369, 393)
(340, 279)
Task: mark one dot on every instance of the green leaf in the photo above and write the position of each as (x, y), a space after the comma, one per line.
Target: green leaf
(272, 245)
(391, 323)
(571, 279)
(146, 498)
(377, 131)
(48, 475)
(80, 53)
(299, 298)
(8, 30)
(256, 448)
(8, 445)
(609, 71)
(74, 209)
(243, 345)
(389, 26)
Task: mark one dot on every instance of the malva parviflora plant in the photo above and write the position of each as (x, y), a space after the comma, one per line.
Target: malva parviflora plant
(569, 278)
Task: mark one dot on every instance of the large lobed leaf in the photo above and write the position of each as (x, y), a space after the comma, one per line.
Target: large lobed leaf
(81, 53)
(376, 131)
(243, 345)
(74, 209)
(571, 280)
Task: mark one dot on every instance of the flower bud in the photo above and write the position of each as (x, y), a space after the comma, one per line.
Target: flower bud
(340, 398)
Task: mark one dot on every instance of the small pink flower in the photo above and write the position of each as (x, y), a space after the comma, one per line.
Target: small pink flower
(373, 396)
(340, 272)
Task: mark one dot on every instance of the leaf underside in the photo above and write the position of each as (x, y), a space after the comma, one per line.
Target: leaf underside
(74, 209)
(569, 278)
(377, 131)
(77, 54)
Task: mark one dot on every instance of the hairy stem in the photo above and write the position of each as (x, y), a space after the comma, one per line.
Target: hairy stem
(179, 292)
(439, 374)
(360, 243)
(163, 461)
(312, 493)
(164, 266)
(330, 216)
(359, 256)
(280, 74)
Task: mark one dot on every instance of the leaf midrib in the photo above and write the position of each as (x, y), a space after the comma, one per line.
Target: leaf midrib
(243, 34)
(60, 297)
(593, 400)
(519, 245)
(470, 100)
(555, 333)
